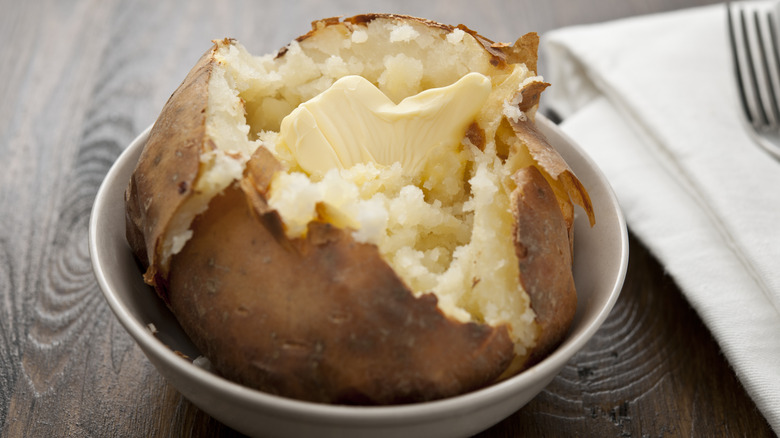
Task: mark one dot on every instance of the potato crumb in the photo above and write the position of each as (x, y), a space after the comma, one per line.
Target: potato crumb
(401, 77)
(296, 198)
(179, 240)
(456, 36)
(336, 67)
(202, 362)
(373, 218)
(514, 113)
(403, 33)
(359, 36)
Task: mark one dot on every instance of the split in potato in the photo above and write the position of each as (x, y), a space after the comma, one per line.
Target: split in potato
(323, 247)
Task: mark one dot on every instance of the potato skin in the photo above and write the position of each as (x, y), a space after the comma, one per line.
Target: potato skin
(324, 318)
(167, 170)
(544, 257)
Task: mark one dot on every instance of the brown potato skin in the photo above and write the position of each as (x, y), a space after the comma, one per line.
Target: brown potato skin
(323, 318)
(552, 163)
(167, 170)
(544, 258)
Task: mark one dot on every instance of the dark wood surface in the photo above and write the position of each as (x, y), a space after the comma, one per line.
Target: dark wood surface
(80, 79)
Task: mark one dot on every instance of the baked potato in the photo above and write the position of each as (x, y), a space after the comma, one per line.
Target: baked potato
(408, 243)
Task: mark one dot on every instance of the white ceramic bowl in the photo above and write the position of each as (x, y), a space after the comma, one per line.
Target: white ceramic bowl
(601, 258)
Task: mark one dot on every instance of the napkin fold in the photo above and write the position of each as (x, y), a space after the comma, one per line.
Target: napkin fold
(653, 100)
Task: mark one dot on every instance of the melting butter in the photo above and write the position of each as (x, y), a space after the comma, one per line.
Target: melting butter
(354, 122)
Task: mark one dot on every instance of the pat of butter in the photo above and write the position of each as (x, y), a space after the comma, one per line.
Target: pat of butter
(354, 122)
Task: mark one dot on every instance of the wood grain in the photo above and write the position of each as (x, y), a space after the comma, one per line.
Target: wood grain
(653, 369)
(81, 78)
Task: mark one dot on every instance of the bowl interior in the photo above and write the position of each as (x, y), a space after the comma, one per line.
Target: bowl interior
(601, 255)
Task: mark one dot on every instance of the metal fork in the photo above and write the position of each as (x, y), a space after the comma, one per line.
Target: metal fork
(754, 46)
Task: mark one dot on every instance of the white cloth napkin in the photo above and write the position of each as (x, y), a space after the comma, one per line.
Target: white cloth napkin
(653, 100)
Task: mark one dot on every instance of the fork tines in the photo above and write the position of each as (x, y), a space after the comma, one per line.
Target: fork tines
(755, 50)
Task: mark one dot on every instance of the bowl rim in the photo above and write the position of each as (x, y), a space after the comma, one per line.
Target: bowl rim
(358, 415)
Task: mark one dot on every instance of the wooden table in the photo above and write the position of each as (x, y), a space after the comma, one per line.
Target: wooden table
(82, 78)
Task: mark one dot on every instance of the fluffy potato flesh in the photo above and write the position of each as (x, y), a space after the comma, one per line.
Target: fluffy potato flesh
(371, 283)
